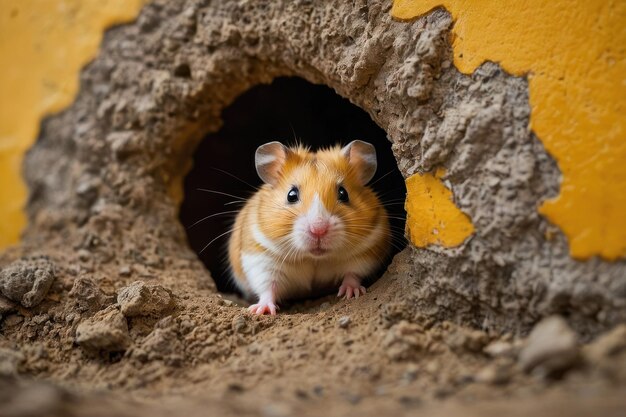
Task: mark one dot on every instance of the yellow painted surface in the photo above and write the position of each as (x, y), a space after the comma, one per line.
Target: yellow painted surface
(432, 217)
(43, 46)
(574, 53)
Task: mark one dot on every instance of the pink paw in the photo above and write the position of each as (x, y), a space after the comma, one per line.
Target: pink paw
(263, 307)
(351, 287)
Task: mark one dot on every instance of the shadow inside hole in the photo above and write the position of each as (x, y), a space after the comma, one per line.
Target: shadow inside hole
(287, 109)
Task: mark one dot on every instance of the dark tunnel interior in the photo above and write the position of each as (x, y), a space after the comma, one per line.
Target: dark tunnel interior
(285, 110)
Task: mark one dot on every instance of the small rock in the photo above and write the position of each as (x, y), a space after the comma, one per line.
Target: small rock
(472, 340)
(550, 348)
(125, 271)
(607, 345)
(107, 330)
(405, 340)
(163, 344)
(87, 295)
(240, 325)
(27, 281)
(495, 374)
(140, 299)
(344, 322)
(84, 255)
(499, 348)
(41, 318)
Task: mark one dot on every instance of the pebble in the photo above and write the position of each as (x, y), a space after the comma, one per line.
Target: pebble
(107, 330)
(551, 347)
(344, 322)
(609, 344)
(494, 374)
(87, 295)
(84, 255)
(141, 299)
(240, 325)
(124, 271)
(41, 318)
(27, 281)
(499, 348)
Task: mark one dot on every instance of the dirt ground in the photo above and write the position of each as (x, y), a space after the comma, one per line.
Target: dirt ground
(145, 349)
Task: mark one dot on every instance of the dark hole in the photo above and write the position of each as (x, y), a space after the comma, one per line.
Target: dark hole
(283, 110)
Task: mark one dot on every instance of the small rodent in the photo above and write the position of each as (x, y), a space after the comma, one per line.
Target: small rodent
(314, 223)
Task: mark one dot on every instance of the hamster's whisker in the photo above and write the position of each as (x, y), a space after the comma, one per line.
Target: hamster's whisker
(221, 235)
(389, 217)
(235, 177)
(212, 215)
(372, 183)
(206, 190)
(394, 241)
(235, 202)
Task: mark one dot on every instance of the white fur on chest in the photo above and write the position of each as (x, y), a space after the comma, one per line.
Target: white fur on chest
(297, 278)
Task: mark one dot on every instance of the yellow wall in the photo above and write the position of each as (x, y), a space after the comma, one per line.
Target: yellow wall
(432, 217)
(43, 45)
(574, 53)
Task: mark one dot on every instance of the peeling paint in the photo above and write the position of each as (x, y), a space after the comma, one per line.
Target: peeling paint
(432, 217)
(574, 56)
(43, 46)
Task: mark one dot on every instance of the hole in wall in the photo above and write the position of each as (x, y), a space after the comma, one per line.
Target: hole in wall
(284, 110)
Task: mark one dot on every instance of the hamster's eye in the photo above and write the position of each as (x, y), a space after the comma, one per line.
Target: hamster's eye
(293, 195)
(342, 195)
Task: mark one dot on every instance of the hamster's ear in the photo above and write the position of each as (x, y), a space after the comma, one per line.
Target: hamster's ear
(269, 159)
(362, 156)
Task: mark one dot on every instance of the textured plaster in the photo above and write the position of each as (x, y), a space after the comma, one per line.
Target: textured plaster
(574, 56)
(43, 46)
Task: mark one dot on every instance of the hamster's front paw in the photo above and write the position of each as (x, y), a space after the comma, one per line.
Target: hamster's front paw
(351, 287)
(263, 307)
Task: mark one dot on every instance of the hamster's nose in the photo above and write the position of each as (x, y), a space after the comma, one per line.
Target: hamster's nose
(319, 228)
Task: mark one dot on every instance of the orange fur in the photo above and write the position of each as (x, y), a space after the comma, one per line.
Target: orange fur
(312, 172)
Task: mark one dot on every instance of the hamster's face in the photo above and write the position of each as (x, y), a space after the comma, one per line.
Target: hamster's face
(319, 206)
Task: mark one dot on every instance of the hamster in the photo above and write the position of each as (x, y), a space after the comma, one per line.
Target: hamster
(314, 223)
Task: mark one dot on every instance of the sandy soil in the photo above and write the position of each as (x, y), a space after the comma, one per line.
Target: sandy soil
(148, 349)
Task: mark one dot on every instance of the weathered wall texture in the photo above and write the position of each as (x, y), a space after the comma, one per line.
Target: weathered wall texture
(43, 45)
(160, 84)
(573, 53)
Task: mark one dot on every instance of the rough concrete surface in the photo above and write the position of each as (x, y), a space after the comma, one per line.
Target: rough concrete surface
(440, 325)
